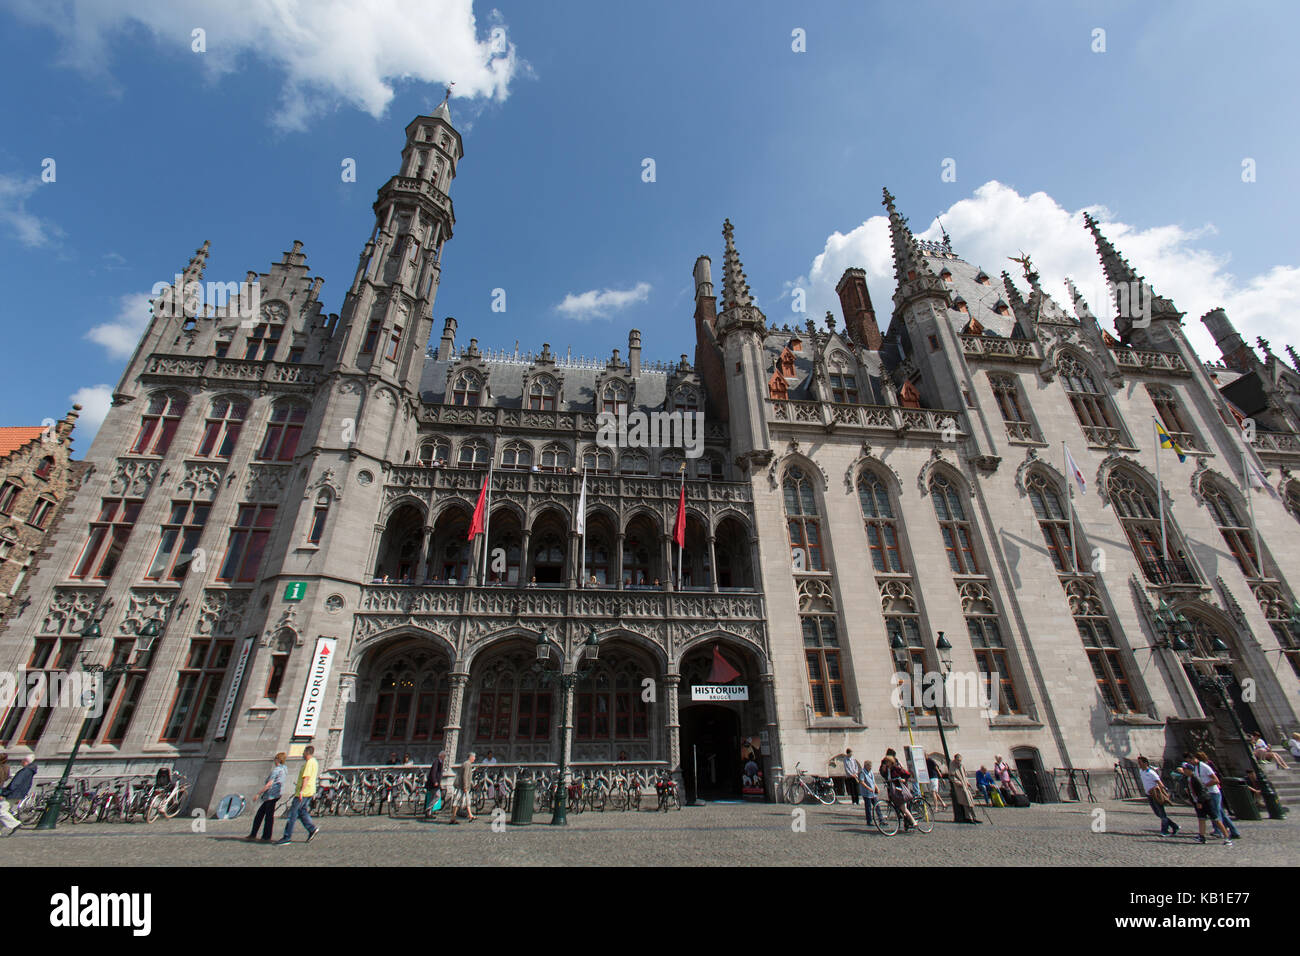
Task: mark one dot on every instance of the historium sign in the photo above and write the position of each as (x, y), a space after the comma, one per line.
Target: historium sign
(719, 692)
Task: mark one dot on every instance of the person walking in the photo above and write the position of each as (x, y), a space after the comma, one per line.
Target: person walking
(932, 771)
(14, 791)
(270, 793)
(851, 771)
(300, 808)
(464, 781)
(963, 805)
(870, 792)
(1209, 778)
(433, 787)
(1202, 804)
(1158, 796)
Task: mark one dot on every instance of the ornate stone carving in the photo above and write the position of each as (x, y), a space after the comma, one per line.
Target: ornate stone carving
(145, 606)
(200, 480)
(69, 612)
(288, 621)
(132, 477)
(325, 482)
(266, 482)
(222, 613)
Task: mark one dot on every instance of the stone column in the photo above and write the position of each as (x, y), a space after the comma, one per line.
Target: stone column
(566, 733)
(772, 752)
(422, 570)
(672, 724)
(451, 733)
(713, 565)
(524, 539)
(618, 562)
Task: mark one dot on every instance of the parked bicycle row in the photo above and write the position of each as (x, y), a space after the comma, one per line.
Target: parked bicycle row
(124, 799)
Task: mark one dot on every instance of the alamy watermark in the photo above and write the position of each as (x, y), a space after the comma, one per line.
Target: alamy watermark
(239, 299)
(959, 690)
(80, 689)
(638, 429)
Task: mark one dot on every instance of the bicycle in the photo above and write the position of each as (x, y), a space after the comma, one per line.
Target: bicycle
(797, 787)
(620, 798)
(666, 788)
(888, 819)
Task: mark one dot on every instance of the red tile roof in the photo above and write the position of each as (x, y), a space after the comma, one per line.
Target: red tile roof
(15, 437)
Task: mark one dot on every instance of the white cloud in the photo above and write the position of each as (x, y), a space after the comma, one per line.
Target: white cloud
(94, 402)
(331, 51)
(121, 334)
(30, 229)
(997, 222)
(594, 304)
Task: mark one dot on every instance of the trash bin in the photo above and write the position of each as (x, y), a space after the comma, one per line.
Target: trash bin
(1240, 801)
(522, 812)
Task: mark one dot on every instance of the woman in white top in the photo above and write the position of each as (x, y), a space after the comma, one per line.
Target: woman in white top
(1264, 752)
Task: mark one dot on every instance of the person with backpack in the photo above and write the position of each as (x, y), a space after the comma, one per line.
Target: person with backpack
(270, 793)
(1158, 796)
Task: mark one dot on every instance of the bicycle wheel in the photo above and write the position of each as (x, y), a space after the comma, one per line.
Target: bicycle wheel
(618, 799)
(599, 797)
(826, 795)
(794, 791)
(154, 810)
(477, 799)
(634, 798)
(922, 815)
(175, 802)
(674, 800)
(886, 818)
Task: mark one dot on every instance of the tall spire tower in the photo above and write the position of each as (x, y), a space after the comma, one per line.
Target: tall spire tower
(741, 327)
(1141, 316)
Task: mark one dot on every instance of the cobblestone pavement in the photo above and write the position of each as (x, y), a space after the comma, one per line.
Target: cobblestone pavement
(713, 835)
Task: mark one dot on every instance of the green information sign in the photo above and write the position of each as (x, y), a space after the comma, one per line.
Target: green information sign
(295, 590)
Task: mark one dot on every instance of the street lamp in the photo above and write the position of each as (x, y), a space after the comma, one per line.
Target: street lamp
(144, 639)
(1215, 682)
(945, 659)
(568, 678)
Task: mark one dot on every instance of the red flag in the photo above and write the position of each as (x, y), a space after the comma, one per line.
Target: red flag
(480, 509)
(721, 672)
(679, 527)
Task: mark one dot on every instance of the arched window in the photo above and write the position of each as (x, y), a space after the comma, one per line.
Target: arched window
(1006, 392)
(1099, 643)
(882, 530)
(1140, 518)
(670, 465)
(44, 467)
(686, 399)
(7, 540)
(283, 432)
(614, 397)
(634, 463)
(598, 461)
(9, 493)
(225, 419)
(803, 521)
(953, 524)
(555, 457)
(1171, 415)
(990, 650)
(436, 453)
(1091, 406)
(511, 704)
(41, 511)
(473, 454)
(517, 455)
(412, 702)
(541, 394)
(608, 705)
(320, 514)
(821, 648)
(1238, 537)
(903, 630)
(467, 389)
(158, 424)
(1053, 520)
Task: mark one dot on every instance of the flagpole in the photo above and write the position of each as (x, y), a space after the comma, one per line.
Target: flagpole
(1250, 504)
(487, 516)
(681, 546)
(1069, 491)
(1160, 496)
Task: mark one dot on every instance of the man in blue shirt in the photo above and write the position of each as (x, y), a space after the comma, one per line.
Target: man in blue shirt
(13, 793)
(983, 782)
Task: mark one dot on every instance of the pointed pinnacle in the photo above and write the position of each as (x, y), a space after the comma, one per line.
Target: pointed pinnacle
(734, 285)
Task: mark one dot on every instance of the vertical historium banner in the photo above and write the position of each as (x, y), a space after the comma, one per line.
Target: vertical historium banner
(313, 695)
(240, 666)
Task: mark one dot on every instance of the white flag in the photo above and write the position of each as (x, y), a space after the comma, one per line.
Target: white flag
(582, 507)
(1255, 476)
(1075, 473)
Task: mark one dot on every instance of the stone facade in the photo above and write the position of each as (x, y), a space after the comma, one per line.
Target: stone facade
(268, 486)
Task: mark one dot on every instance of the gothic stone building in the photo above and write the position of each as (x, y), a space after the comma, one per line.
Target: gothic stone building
(290, 498)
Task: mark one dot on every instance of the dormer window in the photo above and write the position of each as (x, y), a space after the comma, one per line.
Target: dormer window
(960, 305)
(1001, 308)
(541, 394)
(45, 467)
(946, 276)
(787, 363)
(983, 278)
(467, 389)
(614, 398)
(777, 388)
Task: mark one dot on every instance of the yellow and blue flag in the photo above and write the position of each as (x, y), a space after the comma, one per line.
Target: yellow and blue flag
(1167, 442)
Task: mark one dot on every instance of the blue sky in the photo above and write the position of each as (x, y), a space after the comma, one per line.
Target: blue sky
(158, 147)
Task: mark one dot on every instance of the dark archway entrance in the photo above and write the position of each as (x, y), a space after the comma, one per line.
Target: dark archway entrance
(710, 738)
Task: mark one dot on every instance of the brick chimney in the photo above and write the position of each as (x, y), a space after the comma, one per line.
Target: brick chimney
(859, 316)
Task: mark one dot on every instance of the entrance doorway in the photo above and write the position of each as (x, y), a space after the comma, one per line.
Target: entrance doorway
(710, 737)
